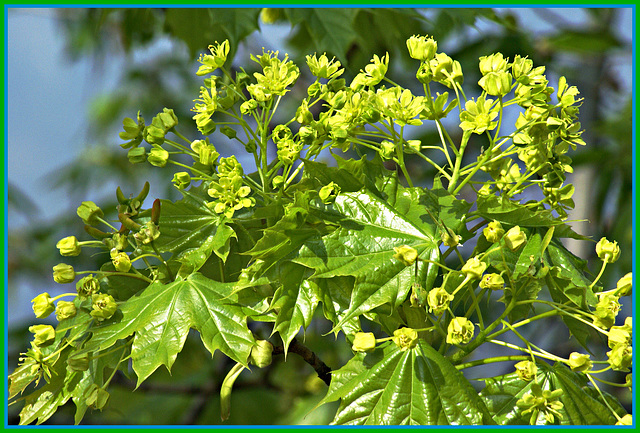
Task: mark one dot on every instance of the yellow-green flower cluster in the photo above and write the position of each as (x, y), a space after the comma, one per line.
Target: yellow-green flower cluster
(228, 190)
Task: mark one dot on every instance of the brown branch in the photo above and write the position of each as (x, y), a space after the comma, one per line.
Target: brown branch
(324, 372)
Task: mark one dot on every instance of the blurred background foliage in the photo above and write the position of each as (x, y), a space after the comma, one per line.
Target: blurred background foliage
(160, 47)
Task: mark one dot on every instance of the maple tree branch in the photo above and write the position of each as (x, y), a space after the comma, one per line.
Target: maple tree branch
(324, 372)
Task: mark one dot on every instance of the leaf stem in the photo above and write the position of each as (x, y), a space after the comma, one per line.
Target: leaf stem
(492, 360)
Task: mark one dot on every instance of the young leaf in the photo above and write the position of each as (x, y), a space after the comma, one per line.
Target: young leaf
(413, 387)
(363, 247)
(160, 318)
(295, 301)
(191, 231)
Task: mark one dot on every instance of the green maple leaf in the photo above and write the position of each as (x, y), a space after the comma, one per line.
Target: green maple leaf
(394, 387)
(160, 317)
(295, 301)
(363, 247)
(191, 231)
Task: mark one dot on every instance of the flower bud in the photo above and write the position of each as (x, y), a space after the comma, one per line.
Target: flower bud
(450, 238)
(44, 334)
(405, 338)
(42, 305)
(424, 74)
(303, 115)
(412, 146)
(89, 212)
(438, 300)
(422, 48)
(335, 85)
(606, 311)
(97, 397)
(181, 180)
(158, 156)
(137, 155)
(148, 233)
(314, 89)
(63, 273)
(103, 306)
(87, 286)
(521, 67)
(120, 260)
(328, 193)
(623, 287)
(625, 420)
(248, 106)
(493, 63)
(526, 370)
(261, 353)
(418, 295)
(459, 331)
(493, 232)
(364, 342)
(514, 238)
(620, 334)
(621, 357)
(474, 268)
(492, 282)
(608, 251)
(278, 181)
(69, 246)
(79, 363)
(65, 310)
(580, 362)
(387, 149)
(496, 83)
(229, 132)
(406, 254)
(339, 100)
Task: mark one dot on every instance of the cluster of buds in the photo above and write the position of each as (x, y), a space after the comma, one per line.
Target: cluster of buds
(229, 191)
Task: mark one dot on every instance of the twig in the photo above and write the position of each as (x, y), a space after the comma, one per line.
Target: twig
(324, 372)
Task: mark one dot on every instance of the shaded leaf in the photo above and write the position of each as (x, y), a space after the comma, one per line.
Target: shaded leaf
(330, 29)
